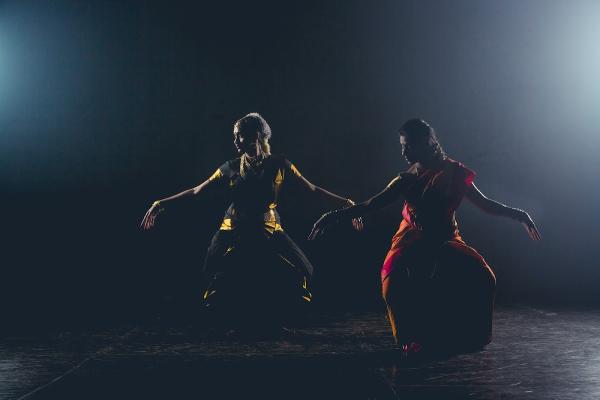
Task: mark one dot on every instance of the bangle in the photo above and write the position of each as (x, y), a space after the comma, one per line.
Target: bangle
(156, 203)
(334, 215)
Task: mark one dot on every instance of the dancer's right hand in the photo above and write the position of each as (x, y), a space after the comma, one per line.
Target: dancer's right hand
(150, 217)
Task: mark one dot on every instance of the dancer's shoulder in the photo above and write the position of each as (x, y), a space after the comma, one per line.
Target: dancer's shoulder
(279, 160)
(460, 169)
(230, 166)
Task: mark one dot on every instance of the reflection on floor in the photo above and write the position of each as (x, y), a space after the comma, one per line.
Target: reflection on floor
(536, 354)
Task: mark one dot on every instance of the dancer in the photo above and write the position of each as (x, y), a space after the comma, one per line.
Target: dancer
(438, 290)
(253, 270)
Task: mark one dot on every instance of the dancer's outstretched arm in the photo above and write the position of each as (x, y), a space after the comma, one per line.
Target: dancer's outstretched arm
(312, 187)
(357, 223)
(380, 200)
(494, 207)
(158, 206)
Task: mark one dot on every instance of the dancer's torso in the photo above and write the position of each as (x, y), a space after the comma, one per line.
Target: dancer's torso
(254, 191)
(432, 196)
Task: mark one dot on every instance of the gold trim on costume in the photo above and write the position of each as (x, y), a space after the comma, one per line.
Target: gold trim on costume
(276, 187)
(218, 174)
(271, 224)
(226, 225)
(305, 287)
(279, 177)
(295, 170)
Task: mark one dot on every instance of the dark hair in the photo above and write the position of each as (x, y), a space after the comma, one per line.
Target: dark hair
(418, 129)
(254, 124)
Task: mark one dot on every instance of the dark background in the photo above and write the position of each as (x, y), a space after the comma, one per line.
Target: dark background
(106, 106)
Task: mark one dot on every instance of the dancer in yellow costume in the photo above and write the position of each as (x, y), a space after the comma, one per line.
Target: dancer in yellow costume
(251, 263)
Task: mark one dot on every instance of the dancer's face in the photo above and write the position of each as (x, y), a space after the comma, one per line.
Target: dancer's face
(413, 150)
(242, 144)
(238, 141)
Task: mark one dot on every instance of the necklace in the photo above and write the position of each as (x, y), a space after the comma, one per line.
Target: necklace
(249, 164)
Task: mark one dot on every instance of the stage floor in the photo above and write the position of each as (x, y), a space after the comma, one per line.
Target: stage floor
(535, 354)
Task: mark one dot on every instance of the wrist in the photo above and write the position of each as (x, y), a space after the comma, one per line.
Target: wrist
(336, 215)
(157, 203)
(516, 214)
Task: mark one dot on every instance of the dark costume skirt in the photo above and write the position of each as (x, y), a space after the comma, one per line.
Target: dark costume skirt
(253, 274)
(438, 292)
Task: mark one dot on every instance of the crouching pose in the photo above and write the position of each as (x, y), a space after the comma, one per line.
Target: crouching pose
(438, 290)
(254, 272)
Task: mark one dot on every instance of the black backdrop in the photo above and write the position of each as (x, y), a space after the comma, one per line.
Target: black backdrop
(108, 105)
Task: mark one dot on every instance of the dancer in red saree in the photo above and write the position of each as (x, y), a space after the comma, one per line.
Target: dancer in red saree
(438, 290)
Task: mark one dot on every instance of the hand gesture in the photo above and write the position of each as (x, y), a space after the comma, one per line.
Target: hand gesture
(150, 217)
(357, 223)
(528, 224)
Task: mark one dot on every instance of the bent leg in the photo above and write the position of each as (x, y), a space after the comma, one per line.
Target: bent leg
(466, 286)
(396, 292)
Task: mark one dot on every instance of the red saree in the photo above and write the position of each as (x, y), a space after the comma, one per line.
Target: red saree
(437, 289)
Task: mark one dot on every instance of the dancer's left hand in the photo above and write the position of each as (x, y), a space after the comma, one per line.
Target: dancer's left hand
(529, 225)
(357, 223)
